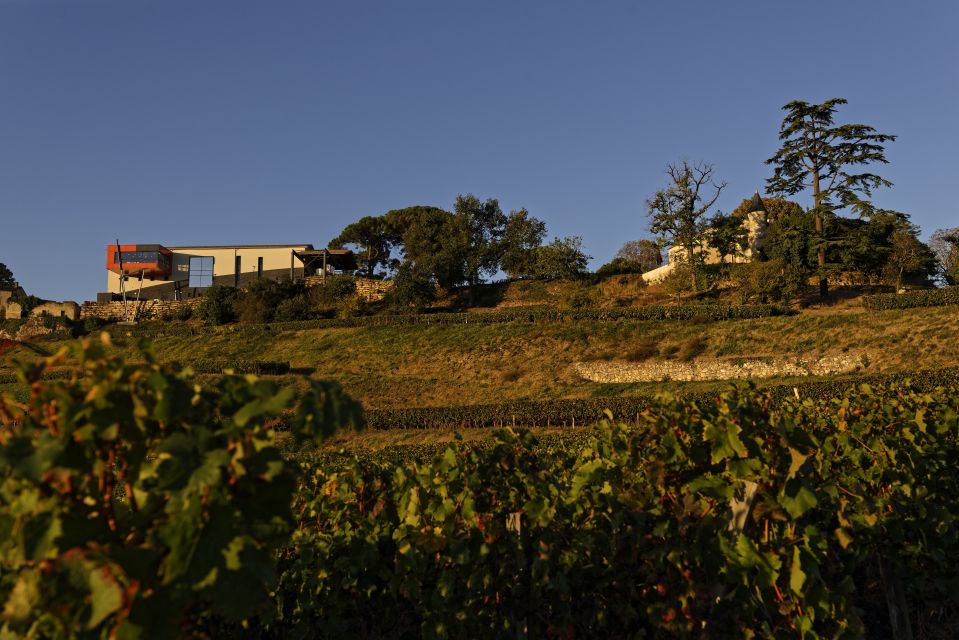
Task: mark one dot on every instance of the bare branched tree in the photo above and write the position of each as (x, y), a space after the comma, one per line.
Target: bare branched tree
(678, 212)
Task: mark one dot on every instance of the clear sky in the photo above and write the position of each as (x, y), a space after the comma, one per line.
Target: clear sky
(280, 121)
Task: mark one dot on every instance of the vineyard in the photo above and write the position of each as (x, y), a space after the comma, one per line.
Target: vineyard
(700, 312)
(135, 503)
(912, 299)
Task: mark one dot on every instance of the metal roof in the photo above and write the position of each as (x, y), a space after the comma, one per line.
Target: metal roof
(756, 205)
(303, 246)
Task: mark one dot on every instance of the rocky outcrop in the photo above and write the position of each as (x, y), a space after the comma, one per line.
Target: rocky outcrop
(616, 371)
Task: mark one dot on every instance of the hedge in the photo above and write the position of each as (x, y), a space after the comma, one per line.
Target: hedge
(705, 312)
(259, 367)
(911, 299)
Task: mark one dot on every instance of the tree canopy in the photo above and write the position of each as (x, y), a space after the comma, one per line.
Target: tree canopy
(373, 239)
(6, 276)
(817, 154)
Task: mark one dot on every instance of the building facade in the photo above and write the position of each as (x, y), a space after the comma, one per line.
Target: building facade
(156, 272)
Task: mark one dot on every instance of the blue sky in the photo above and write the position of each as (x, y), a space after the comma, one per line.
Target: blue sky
(233, 121)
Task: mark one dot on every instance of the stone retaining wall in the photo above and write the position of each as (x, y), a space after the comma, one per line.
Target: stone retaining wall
(609, 372)
(368, 289)
(371, 290)
(145, 310)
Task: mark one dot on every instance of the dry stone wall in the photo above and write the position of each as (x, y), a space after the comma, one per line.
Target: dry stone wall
(368, 289)
(609, 372)
(144, 310)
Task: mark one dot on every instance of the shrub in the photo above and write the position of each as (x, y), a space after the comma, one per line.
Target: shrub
(620, 266)
(183, 312)
(581, 296)
(769, 281)
(259, 302)
(296, 308)
(642, 350)
(333, 297)
(93, 323)
(217, 305)
(690, 348)
(412, 288)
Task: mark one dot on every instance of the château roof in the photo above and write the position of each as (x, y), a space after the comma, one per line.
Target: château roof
(757, 205)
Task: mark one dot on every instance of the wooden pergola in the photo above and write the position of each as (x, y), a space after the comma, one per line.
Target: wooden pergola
(325, 260)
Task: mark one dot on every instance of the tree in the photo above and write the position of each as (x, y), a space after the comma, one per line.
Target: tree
(561, 259)
(6, 276)
(788, 242)
(646, 254)
(522, 236)
(945, 245)
(909, 257)
(817, 154)
(432, 241)
(412, 287)
(678, 211)
(373, 239)
(485, 224)
(727, 235)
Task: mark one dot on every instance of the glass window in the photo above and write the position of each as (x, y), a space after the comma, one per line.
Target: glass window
(201, 271)
(138, 257)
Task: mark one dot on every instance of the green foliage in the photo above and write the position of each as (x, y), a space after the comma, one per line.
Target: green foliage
(412, 288)
(484, 224)
(671, 312)
(716, 518)
(6, 276)
(332, 298)
(183, 313)
(912, 299)
(621, 266)
(561, 259)
(134, 503)
(258, 367)
(93, 323)
(261, 301)
(817, 154)
(373, 238)
(522, 236)
(772, 281)
(296, 308)
(434, 243)
(581, 296)
(217, 305)
(727, 236)
(688, 278)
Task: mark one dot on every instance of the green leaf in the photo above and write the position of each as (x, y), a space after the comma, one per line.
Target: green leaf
(106, 596)
(796, 576)
(24, 598)
(798, 459)
(796, 499)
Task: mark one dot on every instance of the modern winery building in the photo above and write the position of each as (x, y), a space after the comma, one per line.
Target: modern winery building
(157, 272)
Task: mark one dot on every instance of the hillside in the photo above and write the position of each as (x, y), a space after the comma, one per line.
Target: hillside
(410, 366)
